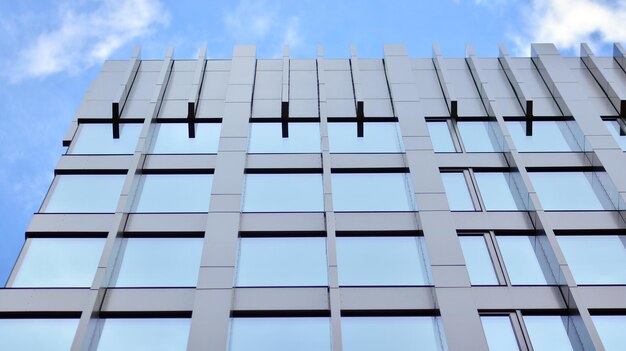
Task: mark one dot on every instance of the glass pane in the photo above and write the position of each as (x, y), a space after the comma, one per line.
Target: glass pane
(154, 334)
(458, 194)
(62, 262)
(548, 333)
(496, 191)
(37, 334)
(478, 261)
(280, 334)
(391, 333)
(174, 193)
(282, 262)
(597, 259)
(440, 136)
(159, 262)
(521, 260)
(378, 137)
(499, 333)
(614, 128)
(268, 138)
(173, 138)
(476, 136)
(611, 330)
(93, 193)
(283, 193)
(567, 191)
(371, 192)
(381, 261)
(98, 139)
(548, 136)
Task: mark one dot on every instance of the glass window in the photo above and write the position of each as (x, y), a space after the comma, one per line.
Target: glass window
(174, 193)
(548, 136)
(477, 137)
(478, 260)
(280, 334)
(458, 194)
(268, 138)
(611, 330)
(50, 334)
(569, 191)
(371, 192)
(499, 333)
(98, 139)
(497, 192)
(440, 136)
(378, 137)
(91, 193)
(363, 261)
(521, 260)
(548, 333)
(283, 193)
(614, 128)
(596, 259)
(282, 262)
(59, 262)
(173, 138)
(392, 333)
(155, 334)
(159, 262)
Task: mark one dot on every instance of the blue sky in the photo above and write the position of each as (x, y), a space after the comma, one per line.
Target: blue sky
(51, 50)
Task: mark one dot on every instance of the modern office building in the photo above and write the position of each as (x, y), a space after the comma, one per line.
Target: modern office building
(352, 204)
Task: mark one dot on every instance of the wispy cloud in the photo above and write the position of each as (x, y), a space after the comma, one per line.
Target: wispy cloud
(83, 37)
(264, 23)
(567, 23)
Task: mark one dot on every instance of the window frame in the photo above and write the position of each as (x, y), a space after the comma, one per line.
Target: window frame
(455, 133)
(497, 258)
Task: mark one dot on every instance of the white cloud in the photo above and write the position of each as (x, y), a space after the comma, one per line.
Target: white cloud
(85, 37)
(263, 23)
(567, 23)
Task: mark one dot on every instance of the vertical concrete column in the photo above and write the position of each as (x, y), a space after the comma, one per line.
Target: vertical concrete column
(331, 242)
(548, 247)
(87, 333)
(602, 151)
(462, 326)
(214, 294)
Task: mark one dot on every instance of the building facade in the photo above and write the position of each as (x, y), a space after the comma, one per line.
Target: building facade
(393, 203)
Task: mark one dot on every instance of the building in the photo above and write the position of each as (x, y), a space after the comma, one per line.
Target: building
(272, 204)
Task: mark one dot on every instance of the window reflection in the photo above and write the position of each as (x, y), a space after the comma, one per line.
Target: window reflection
(382, 261)
(98, 139)
(173, 138)
(457, 192)
(548, 333)
(158, 334)
(282, 262)
(59, 262)
(372, 192)
(440, 136)
(611, 330)
(90, 193)
(378, 137)
(595, 259)
(523, 263)
(283, 193)
(160, 262)
(570, 191)
(392, 333)
(268, 138)
(280, 334)
(547, 136)
(174, 193)
(478, 261)
(499, 333)
(50, 334)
